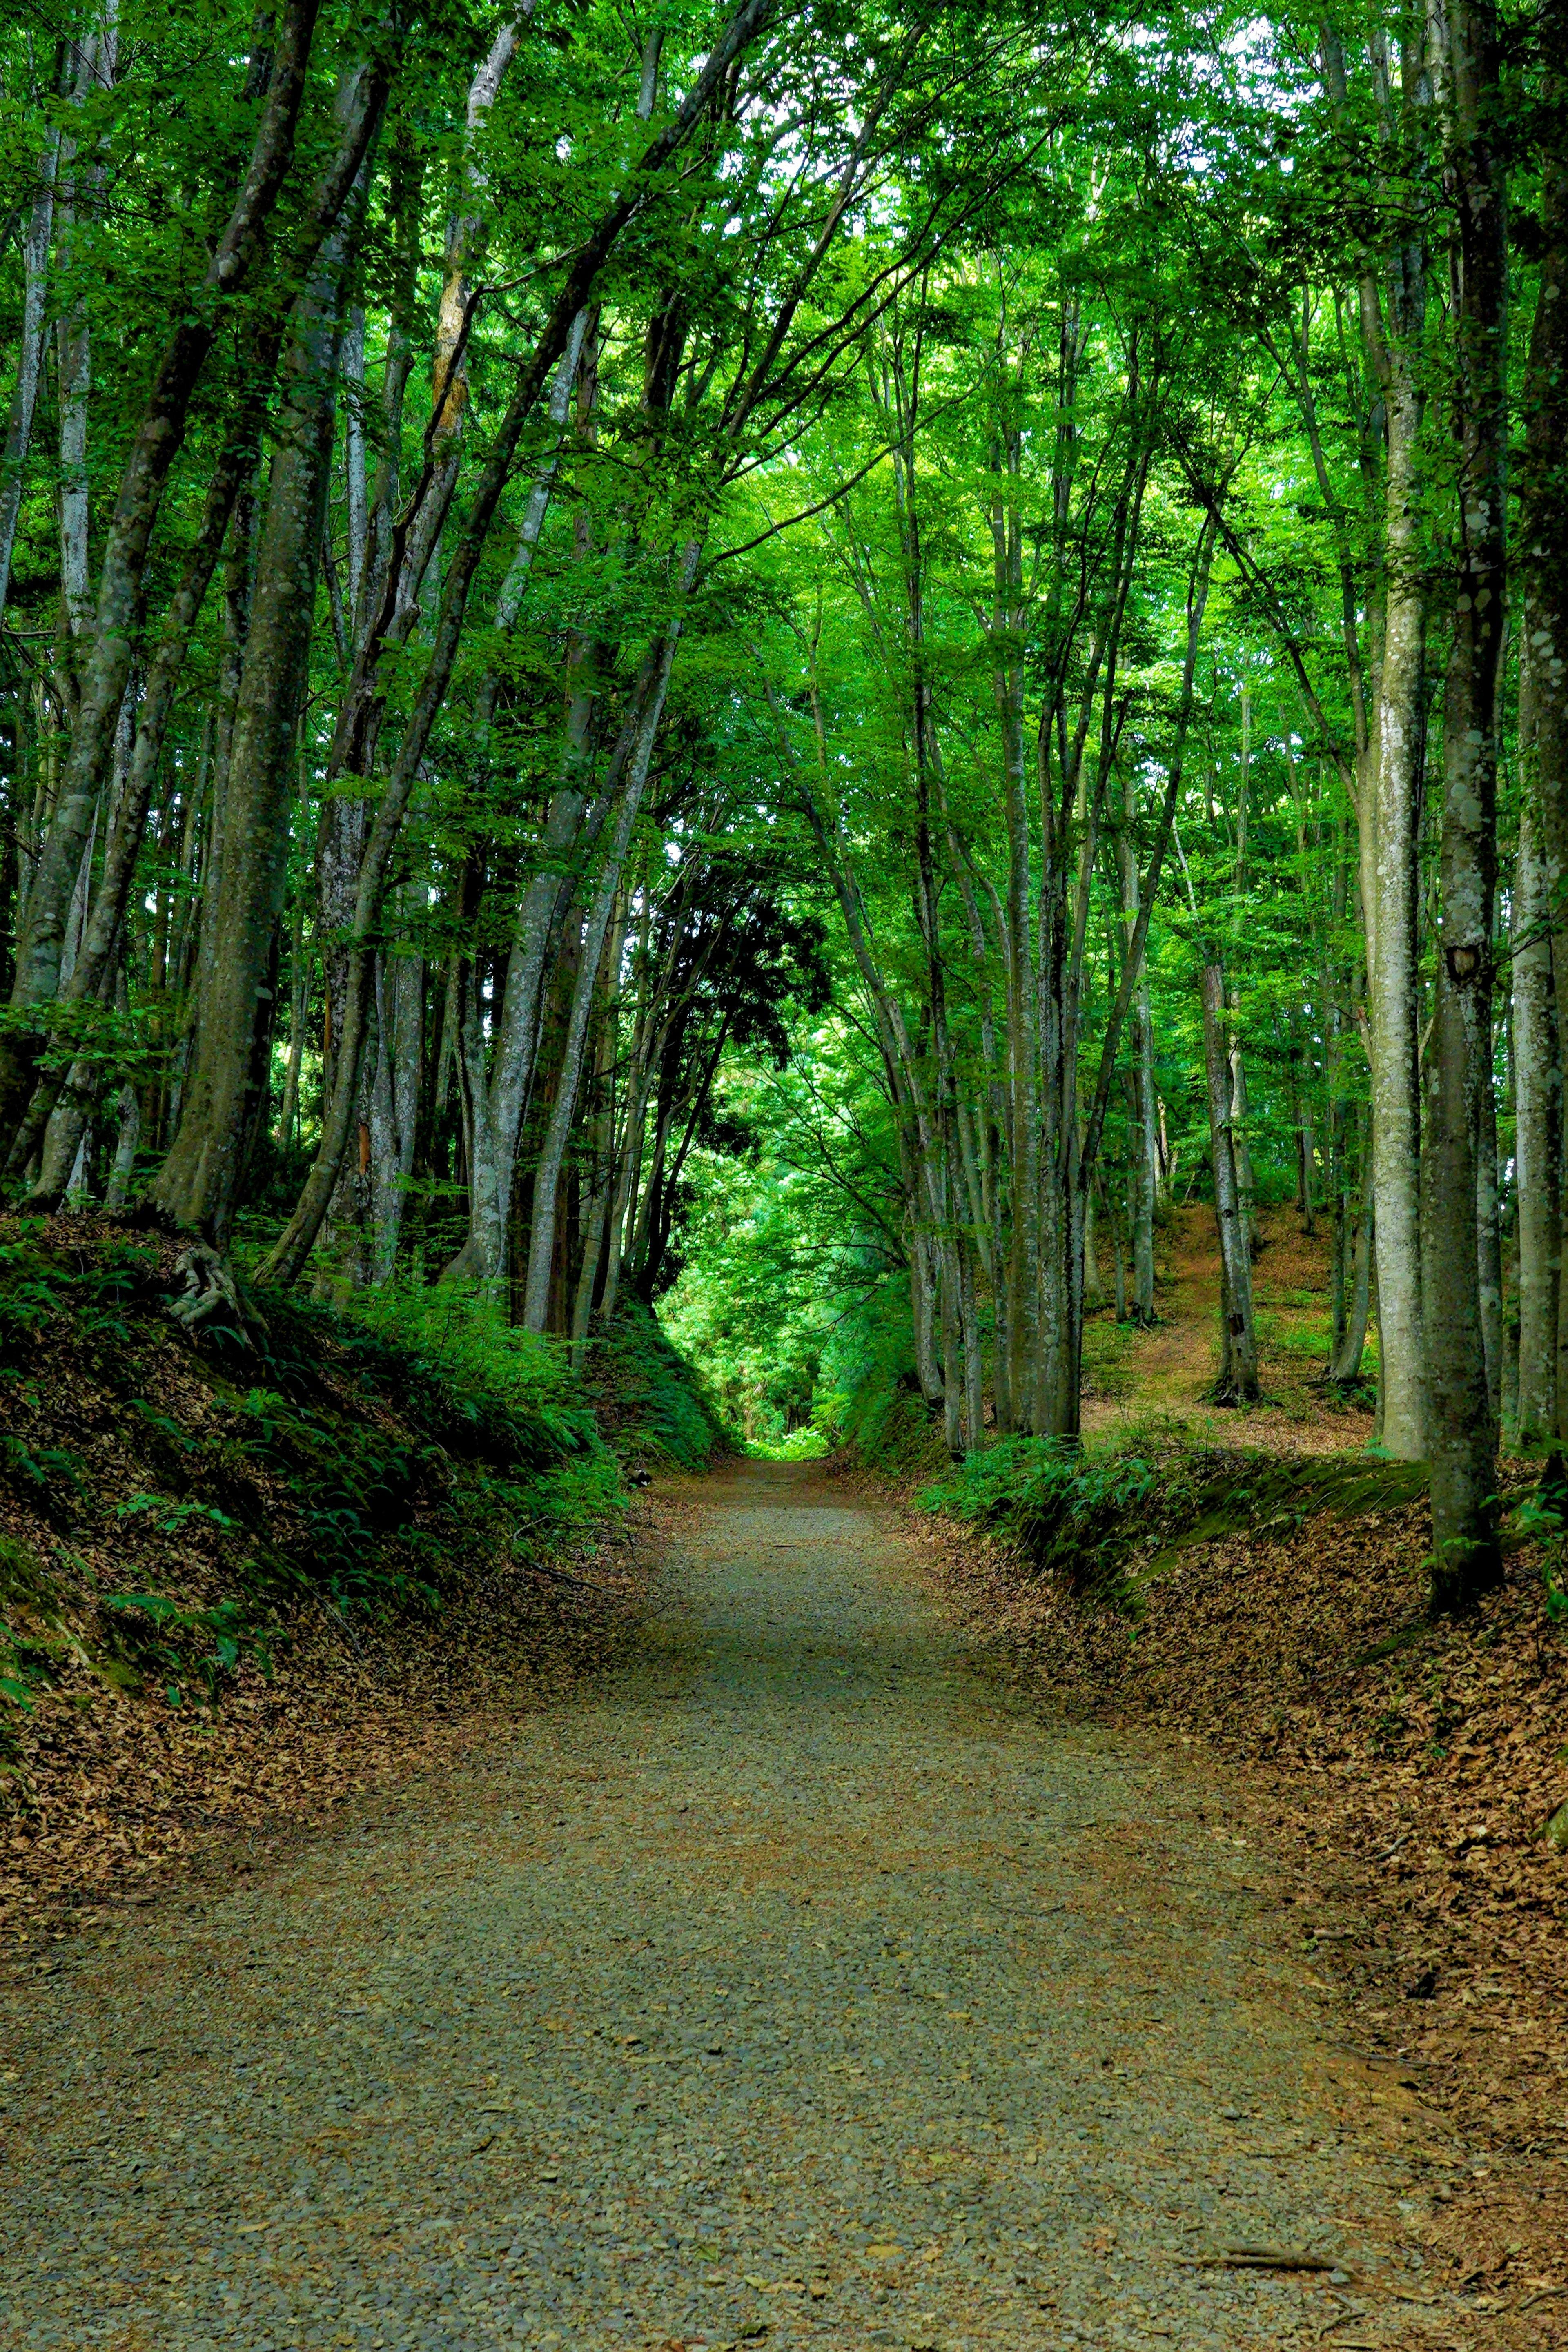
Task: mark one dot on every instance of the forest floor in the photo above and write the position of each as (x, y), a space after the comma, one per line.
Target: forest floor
(791, 1983)
(1133, 1378)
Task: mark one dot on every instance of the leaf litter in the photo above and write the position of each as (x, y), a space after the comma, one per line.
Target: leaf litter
(1406, 1770)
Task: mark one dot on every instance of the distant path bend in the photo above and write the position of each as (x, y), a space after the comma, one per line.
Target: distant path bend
(785, 1990)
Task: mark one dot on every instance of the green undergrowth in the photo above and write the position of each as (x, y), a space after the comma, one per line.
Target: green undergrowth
(809, 1444)
(1110, 1521)
(170, 1501)
(870, 1398)
(651, 1406)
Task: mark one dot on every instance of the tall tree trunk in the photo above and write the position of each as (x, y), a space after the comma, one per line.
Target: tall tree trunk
(160, 434)
(1542, 560)
(81, 198)
(199, 1183)
(1143, 1139)
(394, 1103)
(1465, 1555)
(552, 1151)
(1538, 1093)
(294, 1244)
(1245, 1182)
(1390, 767)
(1237, 1383)
(94, 939)
(1023, 1126)
(29, 357)
(1350, 1340)
(1390, 892)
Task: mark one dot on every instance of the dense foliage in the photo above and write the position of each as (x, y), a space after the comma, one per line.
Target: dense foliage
(776, 657)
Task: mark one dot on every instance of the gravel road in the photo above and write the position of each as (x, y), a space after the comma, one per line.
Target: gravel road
(785, 1988)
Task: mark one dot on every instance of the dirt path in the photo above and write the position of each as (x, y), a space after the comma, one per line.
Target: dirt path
(789, 1987)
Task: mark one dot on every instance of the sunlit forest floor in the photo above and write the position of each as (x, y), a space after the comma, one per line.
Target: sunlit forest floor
(1133, 1377)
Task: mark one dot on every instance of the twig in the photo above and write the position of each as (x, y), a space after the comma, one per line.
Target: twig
(578, 1583)
(1260, 2258)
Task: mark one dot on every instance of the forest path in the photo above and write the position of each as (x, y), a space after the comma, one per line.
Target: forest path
(785, 1988)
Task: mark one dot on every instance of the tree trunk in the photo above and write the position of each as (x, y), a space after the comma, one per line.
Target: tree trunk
(974, 1360)
(299, 1004)
(1143, 1149)
(117, 1193)
(552, 1151)
(91, 943)
(288, 1254)
(1465, 1555)
(1390, 772)
(159, 436)
(29, 358)
(1538, 1093)
(1542, 560)
(1247, 1188)
(199, 1183)
(1392, 976)
(1237, 1383)
(394, 1103)
(1350, 1344)
(81, 196)
(1488, 1248)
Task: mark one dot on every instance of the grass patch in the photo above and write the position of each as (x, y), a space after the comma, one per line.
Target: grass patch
(1300, 1334)
(648, 1402)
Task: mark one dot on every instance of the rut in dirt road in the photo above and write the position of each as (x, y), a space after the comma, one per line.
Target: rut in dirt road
(786, 1988)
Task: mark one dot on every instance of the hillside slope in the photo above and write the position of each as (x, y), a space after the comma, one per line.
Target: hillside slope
(249, 1565)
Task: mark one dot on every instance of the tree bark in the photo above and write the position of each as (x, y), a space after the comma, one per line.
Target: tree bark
(1350, 1345)
(1142, 1153)
(1538, 1099)
(1237, 1383)
(1391, 766)
(293, 1248)
(198, 1184)
(1543, 563)
(394, 1103)
(1392, 949)
(29, 358)
(553, 1150)
(81, 195)
(1466, 1554)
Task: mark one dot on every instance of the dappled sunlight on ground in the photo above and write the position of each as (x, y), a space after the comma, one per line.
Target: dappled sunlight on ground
(1133, 1378)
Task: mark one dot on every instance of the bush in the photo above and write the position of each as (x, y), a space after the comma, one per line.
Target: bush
(1068, 1511)
(175, 1496)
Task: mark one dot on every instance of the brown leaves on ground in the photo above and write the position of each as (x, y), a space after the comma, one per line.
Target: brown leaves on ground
(1410, 1789)
(123, 1789)
(130, 1465)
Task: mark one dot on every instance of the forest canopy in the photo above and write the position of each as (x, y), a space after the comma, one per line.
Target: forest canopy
(815, 655)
